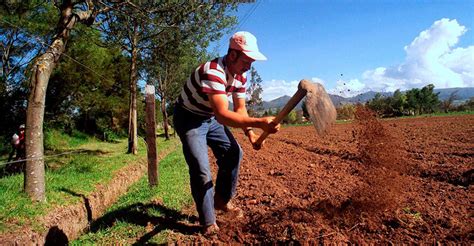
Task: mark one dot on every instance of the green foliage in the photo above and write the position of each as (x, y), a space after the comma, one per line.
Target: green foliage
(467, 106)
(379, 104)
(412, 102)
(254, 92)
(24, 26)
(269, 112)
(398, 103)
(291, 118)
(92, 96)
(55, 139)
(346, 112)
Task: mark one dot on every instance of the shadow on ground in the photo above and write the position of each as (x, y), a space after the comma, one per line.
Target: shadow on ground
(141, 214)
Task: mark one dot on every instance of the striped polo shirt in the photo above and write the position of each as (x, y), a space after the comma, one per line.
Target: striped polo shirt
(210, 78)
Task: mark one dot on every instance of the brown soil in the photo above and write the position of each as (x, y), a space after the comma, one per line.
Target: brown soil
(403, 180)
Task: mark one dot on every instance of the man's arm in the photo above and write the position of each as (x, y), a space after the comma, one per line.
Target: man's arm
(240, 108)
(220, 106)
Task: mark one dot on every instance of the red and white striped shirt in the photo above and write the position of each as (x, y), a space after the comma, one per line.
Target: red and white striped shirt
(210, 78)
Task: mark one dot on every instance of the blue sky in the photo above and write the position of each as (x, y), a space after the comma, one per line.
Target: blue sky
(356, 46)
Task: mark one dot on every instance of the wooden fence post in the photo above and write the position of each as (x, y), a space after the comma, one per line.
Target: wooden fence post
(151, 135)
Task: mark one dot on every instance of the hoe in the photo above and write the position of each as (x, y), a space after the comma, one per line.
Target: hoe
(320, 108)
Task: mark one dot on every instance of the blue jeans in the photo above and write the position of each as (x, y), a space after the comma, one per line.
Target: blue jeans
(196, 134)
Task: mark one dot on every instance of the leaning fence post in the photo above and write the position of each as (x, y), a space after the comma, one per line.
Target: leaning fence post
(151, 135)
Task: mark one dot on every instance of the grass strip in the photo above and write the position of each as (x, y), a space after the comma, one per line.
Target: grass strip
(78, 172)
(141, 214)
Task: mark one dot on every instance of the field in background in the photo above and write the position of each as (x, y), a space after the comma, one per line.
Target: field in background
(399, 180)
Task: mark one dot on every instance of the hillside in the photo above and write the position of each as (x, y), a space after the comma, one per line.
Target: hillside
(462, 94)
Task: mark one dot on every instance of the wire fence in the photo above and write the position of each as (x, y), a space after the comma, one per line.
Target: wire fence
(59, 154)
(42, 157)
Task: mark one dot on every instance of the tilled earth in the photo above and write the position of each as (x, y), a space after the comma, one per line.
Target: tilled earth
(402, 180)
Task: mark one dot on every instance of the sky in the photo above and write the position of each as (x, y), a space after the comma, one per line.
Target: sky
(356, 46)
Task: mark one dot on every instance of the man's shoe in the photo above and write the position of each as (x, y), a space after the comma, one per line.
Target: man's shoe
(210, 230)
(228, 208)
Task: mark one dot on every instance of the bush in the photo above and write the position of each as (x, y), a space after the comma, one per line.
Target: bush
(345, 112)
(55, 139)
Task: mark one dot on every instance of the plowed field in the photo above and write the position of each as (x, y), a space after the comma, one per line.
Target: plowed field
(403, 180)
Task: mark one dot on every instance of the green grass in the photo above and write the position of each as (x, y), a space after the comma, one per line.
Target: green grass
(56, 140)
(440, 114)
(126, 221)
(67, 177)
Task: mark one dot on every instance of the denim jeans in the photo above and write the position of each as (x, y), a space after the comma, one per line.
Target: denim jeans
(196, 134)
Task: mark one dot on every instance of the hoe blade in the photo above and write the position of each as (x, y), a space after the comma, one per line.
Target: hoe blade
(320, 107)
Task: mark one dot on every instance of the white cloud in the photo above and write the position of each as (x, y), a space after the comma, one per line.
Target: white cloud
(277, 88)
(348, 88)
(430, 58)
(318, 80)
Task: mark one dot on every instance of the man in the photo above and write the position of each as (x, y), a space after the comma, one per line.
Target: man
(201, 118)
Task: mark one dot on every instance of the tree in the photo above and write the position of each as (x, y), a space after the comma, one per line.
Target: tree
(71, 13)
(422, 101)
(169, 68)
(21, 23)
(378, 104)
(138, 33)
(428, 99)
(177, 51)
(447, 105)
(346, 112)
(291, 117)
(398, 102)
(413, 104)
(254, 92)
(89, 97)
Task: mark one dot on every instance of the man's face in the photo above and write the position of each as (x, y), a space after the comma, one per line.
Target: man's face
(239, 63)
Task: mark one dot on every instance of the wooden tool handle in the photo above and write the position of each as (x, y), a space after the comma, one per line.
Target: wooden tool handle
(290, 105)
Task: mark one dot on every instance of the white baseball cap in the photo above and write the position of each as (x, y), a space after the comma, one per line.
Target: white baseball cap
(247, 43)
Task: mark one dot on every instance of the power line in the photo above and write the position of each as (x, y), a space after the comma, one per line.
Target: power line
(44, 44)
(244, 19)
(248, 15)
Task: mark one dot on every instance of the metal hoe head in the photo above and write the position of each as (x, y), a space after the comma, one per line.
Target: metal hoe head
(319, 105)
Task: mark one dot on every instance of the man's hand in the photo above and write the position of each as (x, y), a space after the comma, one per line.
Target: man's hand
(253, 139)
(267, 125)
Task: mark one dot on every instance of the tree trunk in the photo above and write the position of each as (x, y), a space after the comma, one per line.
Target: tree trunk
(132, 120)
(34, 183)
(34, 172)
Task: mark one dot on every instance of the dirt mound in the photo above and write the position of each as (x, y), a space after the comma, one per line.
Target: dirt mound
(383, 164)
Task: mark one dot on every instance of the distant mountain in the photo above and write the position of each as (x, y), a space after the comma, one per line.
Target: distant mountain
(366, 96)
(277, 103)
(462, 94)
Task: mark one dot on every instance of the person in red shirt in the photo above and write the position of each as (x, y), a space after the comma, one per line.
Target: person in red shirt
(21, 148)
(18, 148)
(201, 119)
